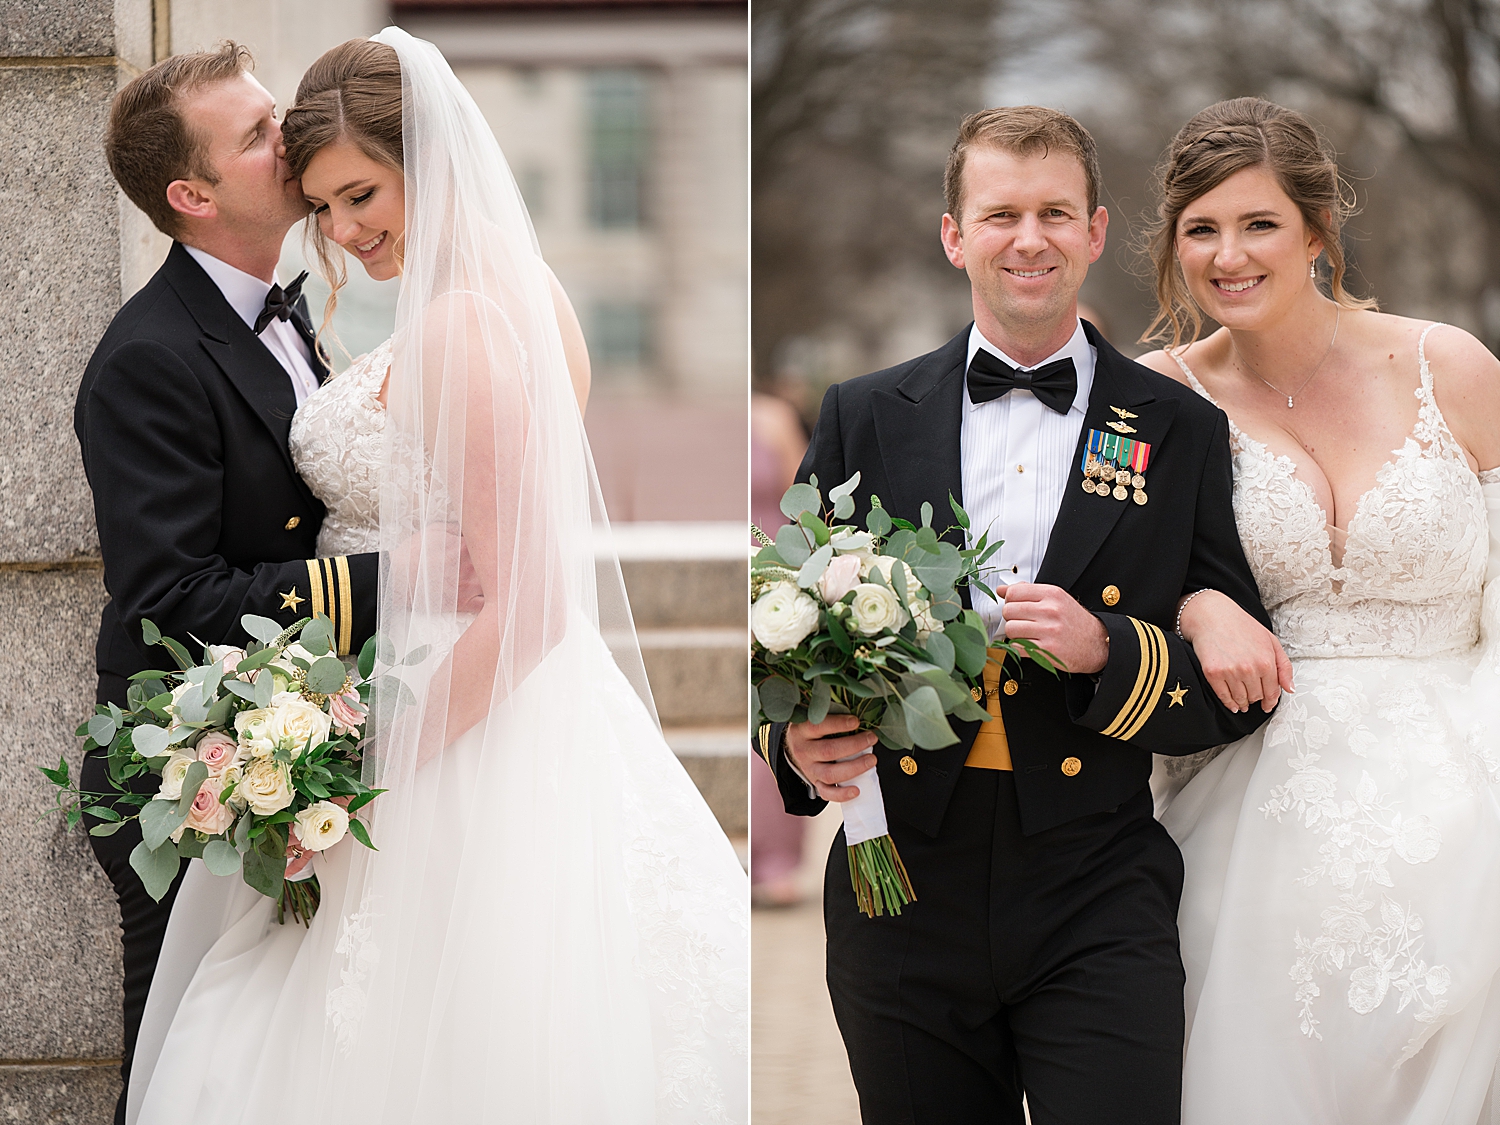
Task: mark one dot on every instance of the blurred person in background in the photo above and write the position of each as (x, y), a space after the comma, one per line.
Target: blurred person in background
(1340, 918)
(778, 442)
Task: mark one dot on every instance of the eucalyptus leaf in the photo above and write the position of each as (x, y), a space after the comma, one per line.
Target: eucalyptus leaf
(416, 656)
(843, 507)
(150, 741)
(939, 573)
(792, 545)
(893, 730)
(941, 651)
(149, 632)
(317, 636)
(241, 689)
(108, 828)
(102, 729)
(925, 721)
(778, 698)
(366, 663)
(926, 514)
(814, 567)
(755, 712)
(190, 847)
(839, 491)
(263, 629)
(264, 872)
(159, 819)
(946, 608)
(191, 708)
(798, 499)
(326, 675)
(265, 688)
(192, 781)
(218, 715)
(877, 523)
(822, 696)
(958, 513)
(241, 836)
(220, 857)
(157, 866)
(968, 647)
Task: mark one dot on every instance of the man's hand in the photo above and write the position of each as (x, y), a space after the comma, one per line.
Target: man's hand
(425, 557)
(815, 749)
(1049, 616)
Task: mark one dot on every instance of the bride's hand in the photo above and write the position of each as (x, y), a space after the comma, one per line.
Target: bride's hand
(1242, 660)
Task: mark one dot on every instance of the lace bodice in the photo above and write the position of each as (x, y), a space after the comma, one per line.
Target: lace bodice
(337, 442)
(1413, 570)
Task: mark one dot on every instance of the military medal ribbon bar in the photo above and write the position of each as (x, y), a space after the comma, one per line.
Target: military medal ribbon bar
(1113, 461)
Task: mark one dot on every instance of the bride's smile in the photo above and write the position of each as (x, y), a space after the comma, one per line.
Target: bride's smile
(360, 203)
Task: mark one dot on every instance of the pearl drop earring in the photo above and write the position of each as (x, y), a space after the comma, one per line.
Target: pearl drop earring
(1312, 269)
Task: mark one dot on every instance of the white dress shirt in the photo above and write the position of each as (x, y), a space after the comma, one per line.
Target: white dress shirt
(1016, 454)
(246, 295)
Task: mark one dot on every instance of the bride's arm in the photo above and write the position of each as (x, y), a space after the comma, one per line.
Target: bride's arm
(1242, 660)
(574, 346)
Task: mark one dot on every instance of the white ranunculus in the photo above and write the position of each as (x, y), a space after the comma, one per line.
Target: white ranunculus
(848, 541)
(782, 617)
(321, 825)
(875, 609)
(886, 563)
(294, 721)
(251, 728)
(921, 612)
(173, 773)
(266, 786)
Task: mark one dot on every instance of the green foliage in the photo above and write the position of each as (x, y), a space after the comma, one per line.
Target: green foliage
(156, 866)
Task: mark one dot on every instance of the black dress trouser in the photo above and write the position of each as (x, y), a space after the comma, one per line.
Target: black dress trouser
(143, 923)
(1043, 965)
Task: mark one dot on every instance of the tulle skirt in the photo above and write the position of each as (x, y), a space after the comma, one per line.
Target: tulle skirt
(577, 951)
(1340, 917)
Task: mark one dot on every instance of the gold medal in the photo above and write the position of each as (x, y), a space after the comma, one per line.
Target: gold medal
(1088, 485)
(1120, 492)
(1122, 476)
(1139, 496)
(1137, 481)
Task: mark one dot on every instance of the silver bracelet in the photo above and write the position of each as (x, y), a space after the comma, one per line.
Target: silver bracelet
(1178, 627)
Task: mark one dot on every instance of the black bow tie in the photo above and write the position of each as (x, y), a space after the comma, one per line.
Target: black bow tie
(280, 303)
(1055, 383)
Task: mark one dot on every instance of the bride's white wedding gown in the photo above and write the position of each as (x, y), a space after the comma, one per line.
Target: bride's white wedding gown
(595, 970)
(1341, 914)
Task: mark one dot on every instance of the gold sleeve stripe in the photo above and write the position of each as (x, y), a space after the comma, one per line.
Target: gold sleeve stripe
(765, 742)
(1150, 681)
(1158, 683)
(333, 597)
(346, 607)
(315, 580)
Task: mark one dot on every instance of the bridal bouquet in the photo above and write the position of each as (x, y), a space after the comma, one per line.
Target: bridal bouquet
(246, 746)
(868, 622)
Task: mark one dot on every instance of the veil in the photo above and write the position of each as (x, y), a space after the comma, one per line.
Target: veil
(518, 923)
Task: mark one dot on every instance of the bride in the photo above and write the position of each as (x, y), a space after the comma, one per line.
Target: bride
(554, 928)
(1340, 920)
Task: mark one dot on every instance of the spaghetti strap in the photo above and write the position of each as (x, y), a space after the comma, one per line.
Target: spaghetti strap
(1423, 369)
(1188, 371)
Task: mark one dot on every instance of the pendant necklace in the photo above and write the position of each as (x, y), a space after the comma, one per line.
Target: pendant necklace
(1289, 403)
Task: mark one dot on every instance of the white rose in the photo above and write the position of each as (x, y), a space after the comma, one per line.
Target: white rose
(321, 825)
(921, 612)
(886, 563)
(782, 617)
(251, 728)
(266, 786)
(234, 775)
(173, 773)
(296, 723)
(876, 609)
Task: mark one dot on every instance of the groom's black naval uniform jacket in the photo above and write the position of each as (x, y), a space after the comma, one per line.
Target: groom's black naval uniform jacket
(183, 416)
(1041, 953)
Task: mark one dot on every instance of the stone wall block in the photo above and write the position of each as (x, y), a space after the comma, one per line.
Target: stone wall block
(58, 292)
(57, 28)
(60, 975)
(59, 1095)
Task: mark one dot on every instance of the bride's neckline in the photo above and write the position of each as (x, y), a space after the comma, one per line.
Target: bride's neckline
(1411, 446)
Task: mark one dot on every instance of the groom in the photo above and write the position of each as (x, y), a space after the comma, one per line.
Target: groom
(1040, 957)
(183, 415)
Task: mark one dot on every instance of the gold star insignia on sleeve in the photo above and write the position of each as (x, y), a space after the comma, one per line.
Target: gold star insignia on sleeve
(1177, 695)
(290, 600)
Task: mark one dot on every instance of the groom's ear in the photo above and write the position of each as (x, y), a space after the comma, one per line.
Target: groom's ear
(190, 198)
(1098, 225)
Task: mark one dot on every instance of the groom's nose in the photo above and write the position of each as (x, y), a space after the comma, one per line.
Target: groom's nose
(1030, 239)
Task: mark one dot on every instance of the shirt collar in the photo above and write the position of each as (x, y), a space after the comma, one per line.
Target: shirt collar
(1078, 349)
(245, 292)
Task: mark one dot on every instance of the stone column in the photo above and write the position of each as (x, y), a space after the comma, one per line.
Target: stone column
(71, 247)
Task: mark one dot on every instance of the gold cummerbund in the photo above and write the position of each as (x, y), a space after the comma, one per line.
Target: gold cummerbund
(991, 749)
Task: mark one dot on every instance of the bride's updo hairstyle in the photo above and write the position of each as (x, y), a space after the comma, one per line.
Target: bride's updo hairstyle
(352, 94)
(1223, 139)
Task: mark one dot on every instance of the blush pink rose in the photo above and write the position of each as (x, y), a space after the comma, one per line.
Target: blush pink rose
(841, 576)
(347, 713)
(207, 814)
(218, 751)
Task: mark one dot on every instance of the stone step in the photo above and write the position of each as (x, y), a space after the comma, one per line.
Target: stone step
(715, 758)
(699, 677)
(684, 574)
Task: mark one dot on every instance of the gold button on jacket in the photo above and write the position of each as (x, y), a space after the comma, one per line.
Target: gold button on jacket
(908, 765)
(1011, 687)
(1111, 595)
(291, 524)
(1071, 766)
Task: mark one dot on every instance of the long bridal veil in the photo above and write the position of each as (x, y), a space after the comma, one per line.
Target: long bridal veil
(554, 929)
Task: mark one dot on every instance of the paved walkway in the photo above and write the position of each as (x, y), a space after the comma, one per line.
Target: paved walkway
(799, 1074)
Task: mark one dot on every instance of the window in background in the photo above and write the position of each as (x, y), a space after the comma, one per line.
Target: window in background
(619, 137)
(533, 184)
(620, 334)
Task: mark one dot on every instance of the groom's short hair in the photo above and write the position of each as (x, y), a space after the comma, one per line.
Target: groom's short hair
(149, 144)
(1025, 130)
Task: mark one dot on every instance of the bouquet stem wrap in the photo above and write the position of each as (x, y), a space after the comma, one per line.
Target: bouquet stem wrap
(875, 868)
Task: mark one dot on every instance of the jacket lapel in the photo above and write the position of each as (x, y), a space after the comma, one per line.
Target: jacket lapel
(1085, 520)
(918, 430)
(239, 354)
